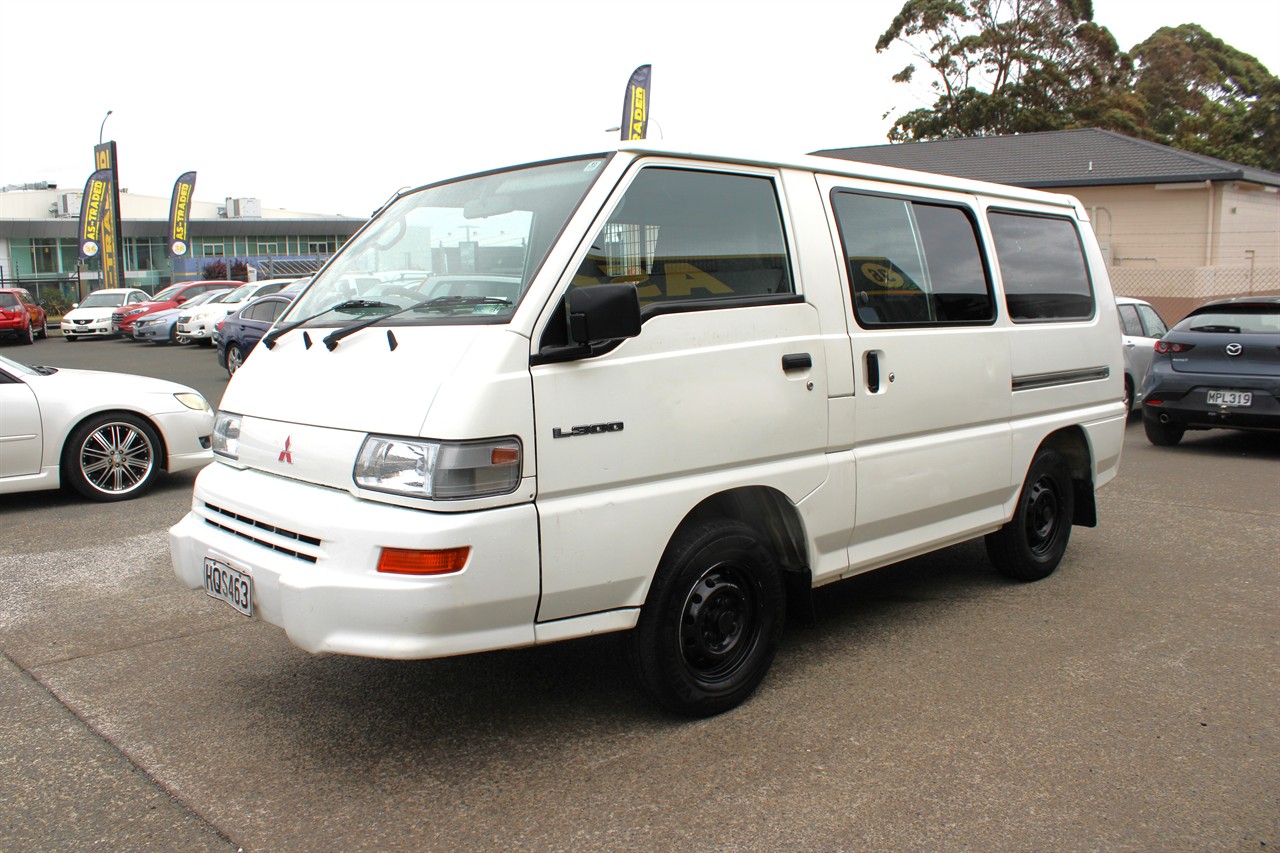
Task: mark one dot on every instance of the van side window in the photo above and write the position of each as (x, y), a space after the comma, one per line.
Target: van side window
(687, 235)
(912, 262)
(1043, 267)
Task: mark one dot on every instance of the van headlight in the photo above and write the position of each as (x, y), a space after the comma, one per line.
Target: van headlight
(439, 470)
(226, 435)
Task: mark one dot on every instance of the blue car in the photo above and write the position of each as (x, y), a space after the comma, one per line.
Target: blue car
(161, 327)
(241, 331)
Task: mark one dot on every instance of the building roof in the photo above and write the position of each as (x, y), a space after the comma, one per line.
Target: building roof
(1055, 159)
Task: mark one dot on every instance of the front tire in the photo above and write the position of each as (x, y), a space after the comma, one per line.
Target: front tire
(1031, 545)
(111, 457)
(710, 625)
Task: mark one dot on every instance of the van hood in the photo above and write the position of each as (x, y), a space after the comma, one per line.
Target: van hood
(381, 379)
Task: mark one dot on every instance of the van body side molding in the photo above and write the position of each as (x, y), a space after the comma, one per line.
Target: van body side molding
(1063, 377)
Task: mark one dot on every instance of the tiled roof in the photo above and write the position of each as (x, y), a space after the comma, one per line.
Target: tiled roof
(1060, 158)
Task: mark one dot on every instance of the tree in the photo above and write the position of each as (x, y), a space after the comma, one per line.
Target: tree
(1200, 94)
(1009, 66)
(1017, 66)
(214, 270)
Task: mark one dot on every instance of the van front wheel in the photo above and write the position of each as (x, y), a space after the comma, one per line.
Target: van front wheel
(1031, 545)
(711, 623)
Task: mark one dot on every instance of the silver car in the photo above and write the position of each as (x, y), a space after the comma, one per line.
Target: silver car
(1140, 328)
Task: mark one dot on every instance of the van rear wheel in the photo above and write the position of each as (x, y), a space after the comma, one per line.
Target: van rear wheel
(1031, 545)
(711, 623)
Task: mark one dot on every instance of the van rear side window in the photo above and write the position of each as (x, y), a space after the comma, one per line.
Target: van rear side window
(1043, 268)
(912, 263)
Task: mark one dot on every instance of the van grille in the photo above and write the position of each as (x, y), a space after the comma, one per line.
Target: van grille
(277, 539)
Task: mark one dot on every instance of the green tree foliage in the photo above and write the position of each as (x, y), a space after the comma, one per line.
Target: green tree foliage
(1018, 66)
(1200, 94)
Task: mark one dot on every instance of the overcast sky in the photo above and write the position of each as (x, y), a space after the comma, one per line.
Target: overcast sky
(329, 106)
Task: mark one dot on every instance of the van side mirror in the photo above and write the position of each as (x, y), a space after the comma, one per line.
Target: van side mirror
(603, 312)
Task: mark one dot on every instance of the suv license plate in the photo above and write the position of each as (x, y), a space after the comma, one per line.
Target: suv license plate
(1230, 398)
(230, 585)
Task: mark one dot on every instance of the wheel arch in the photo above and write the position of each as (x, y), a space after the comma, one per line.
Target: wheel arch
(773, 515)
(163, 449)
(1072, 443)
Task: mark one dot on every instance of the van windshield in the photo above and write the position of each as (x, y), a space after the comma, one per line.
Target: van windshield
(458, 252)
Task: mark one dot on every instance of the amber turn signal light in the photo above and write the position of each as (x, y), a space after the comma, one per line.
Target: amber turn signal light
(399, 561)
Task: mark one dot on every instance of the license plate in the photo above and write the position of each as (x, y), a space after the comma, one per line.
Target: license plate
(1230, 398)
(230, 585)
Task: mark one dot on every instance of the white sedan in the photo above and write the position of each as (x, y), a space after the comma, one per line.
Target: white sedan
(106, 435)
(92, 318)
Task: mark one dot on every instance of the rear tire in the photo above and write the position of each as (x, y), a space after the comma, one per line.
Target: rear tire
(711, 622)
(235, 358)
(1162, 435)
(1031, 545)
(28, 337)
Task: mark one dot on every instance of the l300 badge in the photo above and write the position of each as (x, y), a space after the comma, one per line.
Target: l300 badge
(587, 429)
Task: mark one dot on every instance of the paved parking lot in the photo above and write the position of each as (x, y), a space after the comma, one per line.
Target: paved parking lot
(1126, 703)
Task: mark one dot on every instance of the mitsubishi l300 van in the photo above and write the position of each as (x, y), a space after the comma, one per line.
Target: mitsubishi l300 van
(661, 392)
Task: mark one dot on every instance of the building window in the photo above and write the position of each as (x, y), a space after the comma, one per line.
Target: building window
(267, 248)
(321, 245)
(212, 250)
(144, 253)
(44, 254)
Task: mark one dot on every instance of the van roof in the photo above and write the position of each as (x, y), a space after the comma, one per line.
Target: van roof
(855, 169)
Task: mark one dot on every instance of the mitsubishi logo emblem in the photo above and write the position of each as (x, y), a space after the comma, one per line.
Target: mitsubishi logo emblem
(1234, 349)
(286, 455)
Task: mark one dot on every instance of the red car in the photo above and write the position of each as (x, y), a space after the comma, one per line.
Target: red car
(123, 318)
(21, 316)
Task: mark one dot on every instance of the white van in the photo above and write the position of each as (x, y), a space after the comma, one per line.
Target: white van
(659, 392)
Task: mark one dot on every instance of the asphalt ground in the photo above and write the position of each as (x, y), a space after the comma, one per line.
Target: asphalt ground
(1128, 702)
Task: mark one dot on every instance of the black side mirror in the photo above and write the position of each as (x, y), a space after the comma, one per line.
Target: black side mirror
(603, 312)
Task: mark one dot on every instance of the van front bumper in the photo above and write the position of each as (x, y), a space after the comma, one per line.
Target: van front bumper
(312, 554)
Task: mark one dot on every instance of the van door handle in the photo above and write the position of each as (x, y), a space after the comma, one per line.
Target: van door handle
(797, 361)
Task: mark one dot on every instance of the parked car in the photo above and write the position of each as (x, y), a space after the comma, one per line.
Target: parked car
(106, 435)
(122, 319)
(162, 326)
(1140, 327)
(1217, 368)
(21, 316)
(199, 325)
(240, 332)
(92, 318)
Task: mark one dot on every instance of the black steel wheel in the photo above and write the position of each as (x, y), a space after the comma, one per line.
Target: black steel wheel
(711, 623)
(111, 457)
(1031, 545)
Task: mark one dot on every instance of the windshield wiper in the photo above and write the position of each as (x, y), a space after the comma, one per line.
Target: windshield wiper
(331, 340)
(349, 305)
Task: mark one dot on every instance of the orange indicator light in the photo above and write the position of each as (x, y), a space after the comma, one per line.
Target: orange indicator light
(398, 561)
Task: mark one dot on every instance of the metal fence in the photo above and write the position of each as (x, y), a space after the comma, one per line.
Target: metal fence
(1174, 292)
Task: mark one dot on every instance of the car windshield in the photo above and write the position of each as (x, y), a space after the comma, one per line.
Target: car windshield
(1256, 320)
(102, 299)
(207, 296)
(458, 252)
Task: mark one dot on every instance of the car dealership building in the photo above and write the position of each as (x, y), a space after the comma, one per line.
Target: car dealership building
(39, 246)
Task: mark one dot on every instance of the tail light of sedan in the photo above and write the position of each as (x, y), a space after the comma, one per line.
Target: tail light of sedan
(1164, 347)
